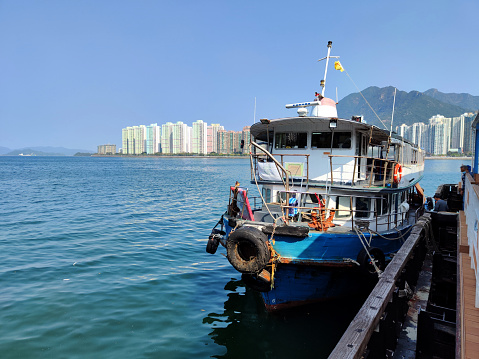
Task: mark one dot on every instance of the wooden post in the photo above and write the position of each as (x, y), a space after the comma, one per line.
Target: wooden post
(354, 170)
(371, 173)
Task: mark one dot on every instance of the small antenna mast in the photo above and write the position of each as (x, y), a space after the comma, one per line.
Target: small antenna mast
(330, 43)
(392, 119)
(323, 82)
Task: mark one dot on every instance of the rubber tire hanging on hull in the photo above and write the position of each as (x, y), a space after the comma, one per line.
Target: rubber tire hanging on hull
(365, 262)
(214, 240)
(247, 250)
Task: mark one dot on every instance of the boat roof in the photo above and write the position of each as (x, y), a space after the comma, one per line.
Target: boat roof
(259, 130)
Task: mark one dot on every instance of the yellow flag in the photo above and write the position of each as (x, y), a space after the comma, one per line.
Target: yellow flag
(337, 66)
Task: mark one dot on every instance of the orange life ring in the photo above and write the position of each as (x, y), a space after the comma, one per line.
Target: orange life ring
(397, 173)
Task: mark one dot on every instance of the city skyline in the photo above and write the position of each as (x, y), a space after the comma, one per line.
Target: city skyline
(179, 138)
(74, 72)
(441, 135)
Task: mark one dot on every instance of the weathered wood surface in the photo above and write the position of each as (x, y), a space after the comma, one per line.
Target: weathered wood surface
(354, 341)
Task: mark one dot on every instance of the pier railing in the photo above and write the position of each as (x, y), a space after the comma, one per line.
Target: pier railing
(355, 340)
(471, 204)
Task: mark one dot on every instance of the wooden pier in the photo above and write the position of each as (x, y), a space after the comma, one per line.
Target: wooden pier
(467, 288)
(355, 340)
(442, 318)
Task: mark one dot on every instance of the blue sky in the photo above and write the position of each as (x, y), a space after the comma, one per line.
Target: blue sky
(74, 73)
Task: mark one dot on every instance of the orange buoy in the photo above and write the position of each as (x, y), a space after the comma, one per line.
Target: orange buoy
(397, 173)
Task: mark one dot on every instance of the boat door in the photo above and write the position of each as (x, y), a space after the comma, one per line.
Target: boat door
(361, 150)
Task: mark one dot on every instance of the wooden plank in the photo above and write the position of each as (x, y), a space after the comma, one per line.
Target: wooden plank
(468, 312)
(355, 339)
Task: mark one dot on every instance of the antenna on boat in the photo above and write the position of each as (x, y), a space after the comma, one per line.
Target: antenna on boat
(323, 82)
(392, 117)
(391, 128)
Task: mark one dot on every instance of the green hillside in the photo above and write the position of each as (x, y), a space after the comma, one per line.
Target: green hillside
(459, 99)
(410, 107)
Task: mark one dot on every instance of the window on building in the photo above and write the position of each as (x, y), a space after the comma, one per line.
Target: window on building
(323, 139)
(291, 140)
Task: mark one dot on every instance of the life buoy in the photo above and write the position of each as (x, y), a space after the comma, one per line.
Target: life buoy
(247, 250)
(397, 173)
(365, 261)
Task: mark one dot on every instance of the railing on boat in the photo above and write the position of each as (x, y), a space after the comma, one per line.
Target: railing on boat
(345, 170)
(358, 217)
(368, 171)
(246, 206)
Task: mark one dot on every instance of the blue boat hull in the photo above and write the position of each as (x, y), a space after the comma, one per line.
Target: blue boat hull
(322, 266)
(296, 285)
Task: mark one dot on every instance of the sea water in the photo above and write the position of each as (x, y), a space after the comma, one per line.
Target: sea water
(105, 258)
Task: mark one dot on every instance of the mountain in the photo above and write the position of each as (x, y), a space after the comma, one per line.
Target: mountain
(459, 99)
(45, 151)
(410, 107)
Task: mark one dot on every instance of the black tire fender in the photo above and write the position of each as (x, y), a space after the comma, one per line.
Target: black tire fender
(365, 262)
(214, 240)
(247, 250)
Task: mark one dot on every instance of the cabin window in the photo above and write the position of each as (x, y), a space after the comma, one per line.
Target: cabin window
(382, 205)
(291, 140)
(323, 139)
(281, 197)
(343, 207)
(394, 199)
(267, 194)
(363, 206)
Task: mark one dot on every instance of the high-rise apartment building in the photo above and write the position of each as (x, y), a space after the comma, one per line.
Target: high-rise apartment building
(167, 138)
(124, 140)
(153, 139)
(246, 139)
(199, 137)
(212, 137)
(140, 139)
(131, 140)
(180, 138)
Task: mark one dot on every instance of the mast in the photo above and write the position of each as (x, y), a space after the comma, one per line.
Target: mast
(323, 83)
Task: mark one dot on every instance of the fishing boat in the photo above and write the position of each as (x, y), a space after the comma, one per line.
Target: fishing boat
(337, 199)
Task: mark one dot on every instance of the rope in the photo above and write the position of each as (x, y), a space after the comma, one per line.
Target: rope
(401, 236)
(365, 99)
(360, 236)
(263, 200)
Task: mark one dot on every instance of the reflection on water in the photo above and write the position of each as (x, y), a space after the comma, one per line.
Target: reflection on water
(246, 330)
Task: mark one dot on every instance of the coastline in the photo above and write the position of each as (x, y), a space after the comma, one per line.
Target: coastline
(171, 156)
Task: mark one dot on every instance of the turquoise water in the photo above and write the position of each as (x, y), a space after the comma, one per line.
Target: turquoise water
(105, 258)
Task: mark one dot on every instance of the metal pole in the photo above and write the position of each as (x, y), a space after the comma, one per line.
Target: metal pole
(326, 69)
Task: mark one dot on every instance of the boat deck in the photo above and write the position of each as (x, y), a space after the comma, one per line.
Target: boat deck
(468, 328)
